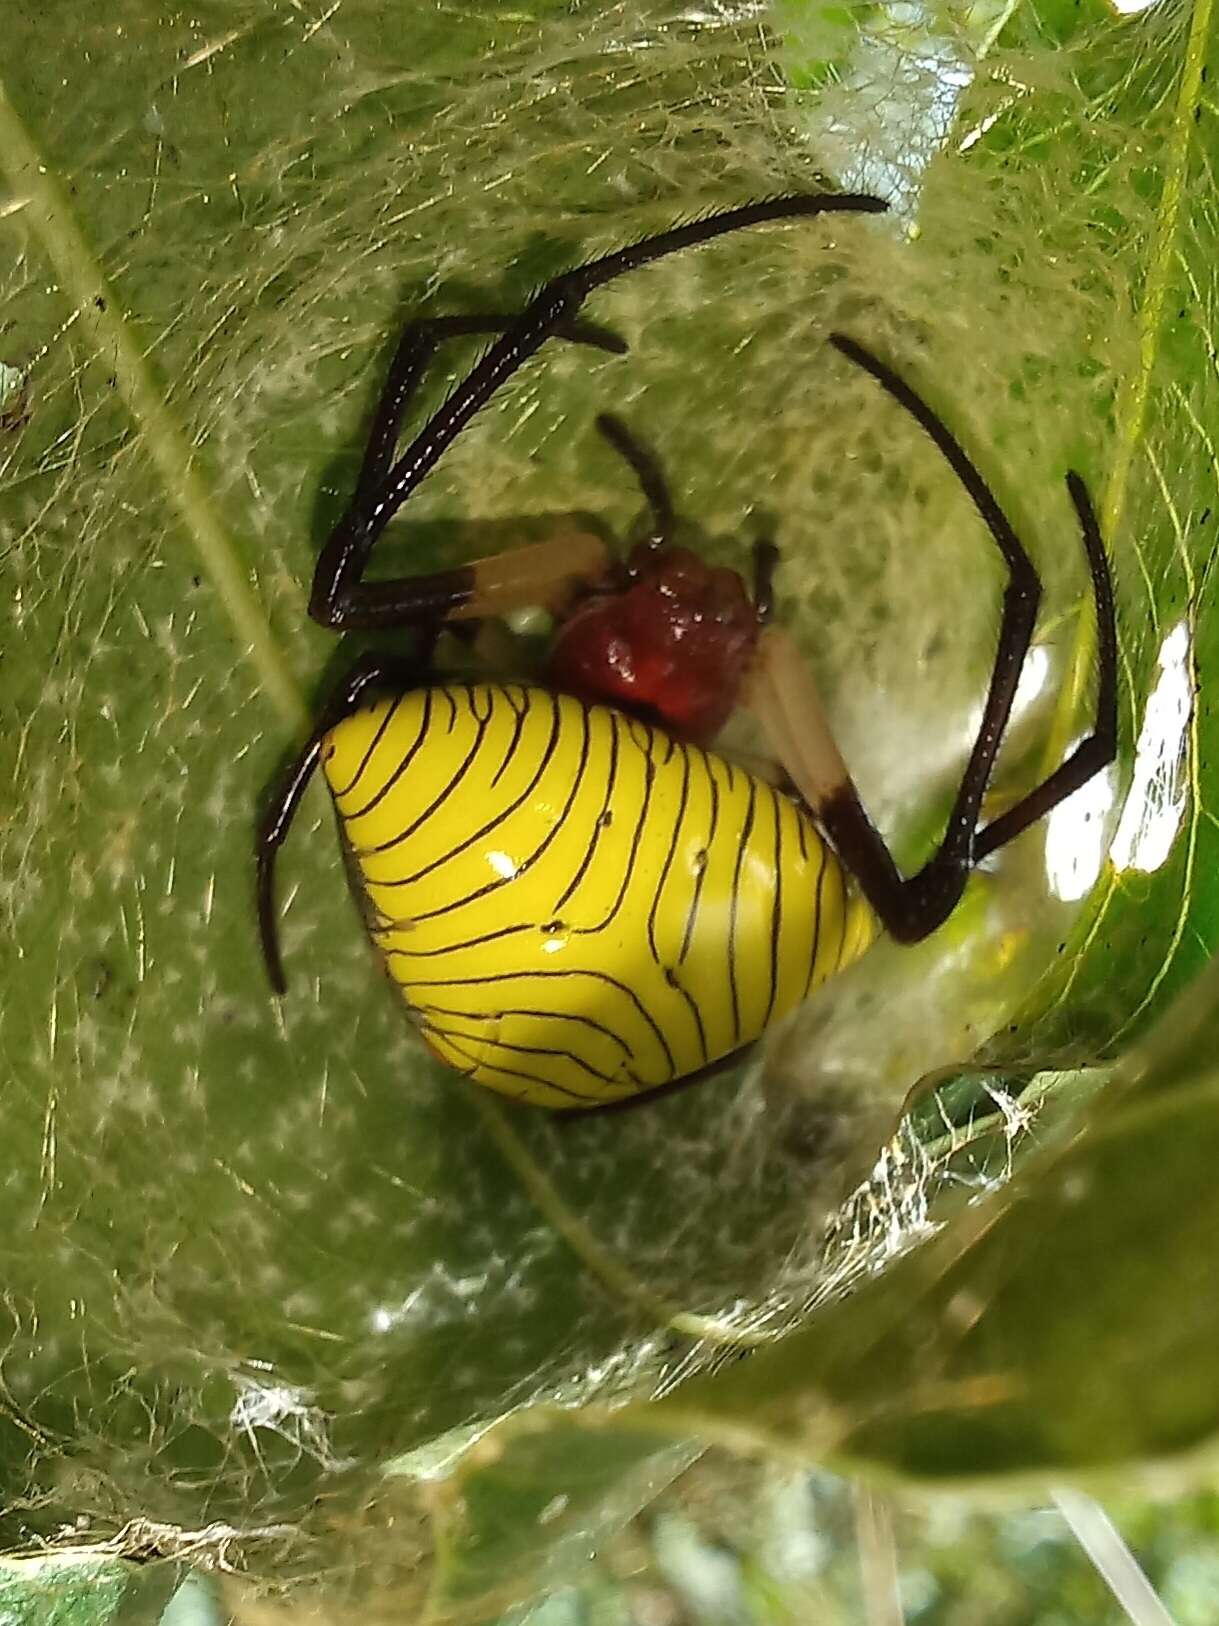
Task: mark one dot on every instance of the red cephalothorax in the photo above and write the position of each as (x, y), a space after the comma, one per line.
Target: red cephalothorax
(675, 643)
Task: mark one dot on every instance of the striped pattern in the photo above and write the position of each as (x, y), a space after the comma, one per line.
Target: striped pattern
(575, 907)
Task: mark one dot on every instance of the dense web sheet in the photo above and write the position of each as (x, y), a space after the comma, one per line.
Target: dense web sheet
(255, 1251)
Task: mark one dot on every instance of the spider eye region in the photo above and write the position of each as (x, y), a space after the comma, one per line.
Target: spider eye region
(674, 645)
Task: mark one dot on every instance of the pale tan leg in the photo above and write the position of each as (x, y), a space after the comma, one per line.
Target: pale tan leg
(782, 694)
(547, 574)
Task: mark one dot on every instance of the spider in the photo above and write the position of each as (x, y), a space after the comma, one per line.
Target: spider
(581, 902)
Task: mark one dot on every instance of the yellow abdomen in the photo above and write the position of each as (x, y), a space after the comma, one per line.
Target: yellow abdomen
(576, 908)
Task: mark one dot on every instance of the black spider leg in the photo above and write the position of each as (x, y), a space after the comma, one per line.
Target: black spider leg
(415, 349)
(441, 591)
(340, 598)
(649, 474)
(765, 562)
(913, 908)
(1098, 750)
(371, 670)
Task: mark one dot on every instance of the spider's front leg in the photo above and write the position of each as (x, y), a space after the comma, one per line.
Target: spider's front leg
(547, 574)
(539, 574)
(341, 599)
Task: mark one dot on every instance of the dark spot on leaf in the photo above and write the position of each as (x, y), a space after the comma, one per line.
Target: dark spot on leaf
(102, 973)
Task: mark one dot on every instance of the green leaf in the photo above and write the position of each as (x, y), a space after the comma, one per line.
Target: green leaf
(255, 1253)
(533, 1502)
(1152, 921)
(82, 1588)
(1065, 1325)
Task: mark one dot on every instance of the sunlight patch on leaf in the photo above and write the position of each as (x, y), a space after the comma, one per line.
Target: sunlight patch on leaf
(1156, 801)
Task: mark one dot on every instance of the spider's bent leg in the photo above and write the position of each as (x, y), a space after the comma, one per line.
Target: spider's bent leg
(340, 598)
(913, 908)
(919, 905)
(782, 694)
(416, 347)
(1098, 750)
(647, 471)
(784, 698)
(433, 594)
(547, 573)
(369, 671)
